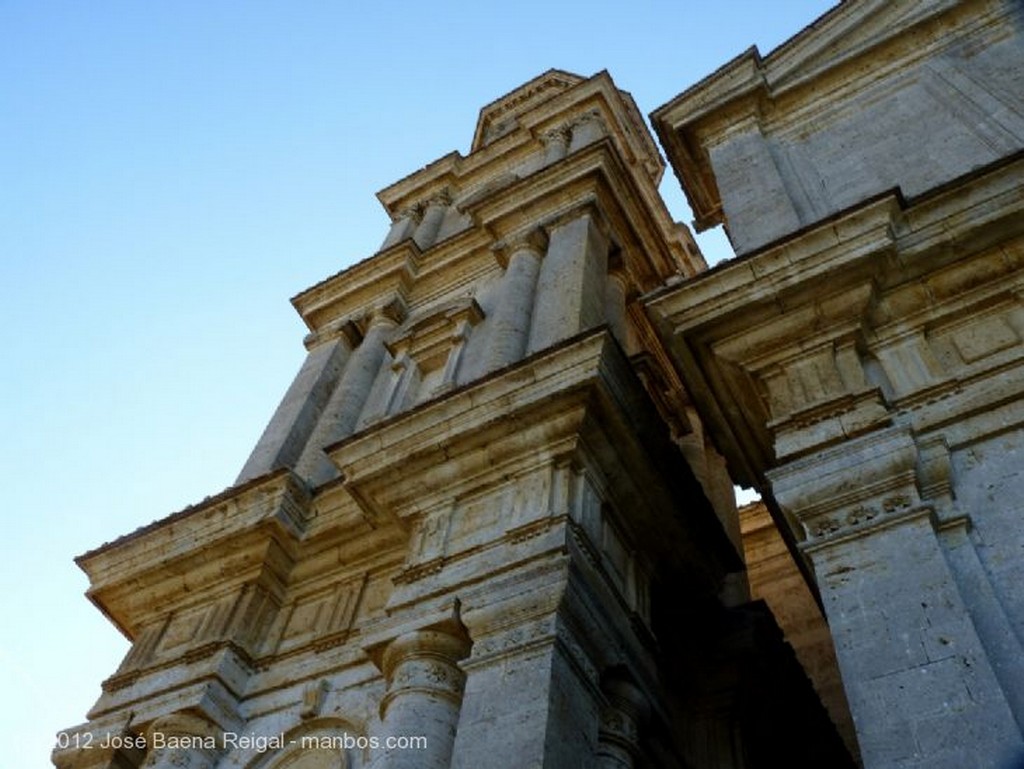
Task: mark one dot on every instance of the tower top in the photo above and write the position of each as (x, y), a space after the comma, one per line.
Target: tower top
(499, 117)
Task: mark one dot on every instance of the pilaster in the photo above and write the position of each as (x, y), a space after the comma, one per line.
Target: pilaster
(571, 283)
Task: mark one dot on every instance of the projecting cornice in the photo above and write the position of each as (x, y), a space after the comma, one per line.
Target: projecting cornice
(845, 53)
(144, 574)
(852, 324)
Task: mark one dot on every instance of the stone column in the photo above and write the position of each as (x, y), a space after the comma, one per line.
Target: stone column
(433, 215)
(296, 417)
(587, 129)
(424, 695)
(346, 403)
(403, 227)
(570, 293)
(556, 144)
(182, 740)
(510, 321)
(618, 740)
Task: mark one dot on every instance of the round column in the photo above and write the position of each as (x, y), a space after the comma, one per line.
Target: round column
(433, 216)
(402, 227)
(510, 323)
(181, 740)
(556, 144)
(618, 740)
(342, 411)
(424, 695)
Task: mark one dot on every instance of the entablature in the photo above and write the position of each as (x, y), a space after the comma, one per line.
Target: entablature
(890, 313)
(918, 91)
(253, 530)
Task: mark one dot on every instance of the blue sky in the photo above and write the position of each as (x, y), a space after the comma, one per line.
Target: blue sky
(170, 174)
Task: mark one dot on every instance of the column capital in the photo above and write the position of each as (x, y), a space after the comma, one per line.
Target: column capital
(182, 739)
(557, 134)
(392, 311)
(346, 329)
(440, 644)
(587, 128)
(534, 241)
(413, 213)
(817, 495)
(592, 116)
(441, 199)
(587, 208)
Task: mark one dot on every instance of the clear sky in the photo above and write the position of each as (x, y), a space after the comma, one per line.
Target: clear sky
(170, 174)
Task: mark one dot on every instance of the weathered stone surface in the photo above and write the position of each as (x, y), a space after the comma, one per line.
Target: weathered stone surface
(881, 96)
(861, 364)
(471, 533)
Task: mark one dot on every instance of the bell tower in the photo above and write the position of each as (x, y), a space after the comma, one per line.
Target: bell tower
(483, 528)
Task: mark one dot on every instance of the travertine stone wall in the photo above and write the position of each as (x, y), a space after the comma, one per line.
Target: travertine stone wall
(863, 368)
(817, 127)
(459, 524)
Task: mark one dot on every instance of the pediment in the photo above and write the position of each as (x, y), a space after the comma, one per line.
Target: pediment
(499, 117)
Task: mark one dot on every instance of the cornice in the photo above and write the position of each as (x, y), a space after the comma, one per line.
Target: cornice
(478, 169)
(847, 50)
(911, 275)
(254, 530)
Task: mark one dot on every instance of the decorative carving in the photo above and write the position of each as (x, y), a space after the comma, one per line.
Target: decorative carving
(556, 135)
(896, 502)
(413, 213)
(534, 240)
(824, 527)
(313, 699)
(440, 199)
(182, 740)
(861, 514)
(516, 638)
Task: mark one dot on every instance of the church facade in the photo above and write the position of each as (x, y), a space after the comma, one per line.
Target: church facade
(491, 523)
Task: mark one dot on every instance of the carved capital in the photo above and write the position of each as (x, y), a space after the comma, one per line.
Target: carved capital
(182, 740)
(440, 199)
(533, 241)
(851, 488)
(391, 311)
(424, 663)
(556, 135)
(344, 329)
(412, 214)
(591, 118)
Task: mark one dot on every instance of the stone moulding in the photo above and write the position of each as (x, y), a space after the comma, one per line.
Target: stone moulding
(898, 251)
(138, 577)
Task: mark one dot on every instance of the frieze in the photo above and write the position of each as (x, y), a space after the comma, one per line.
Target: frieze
(861, 518)
(518, 638)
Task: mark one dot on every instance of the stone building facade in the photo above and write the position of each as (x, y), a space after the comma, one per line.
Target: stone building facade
(861, 361)
(484, 515)
(491, 523)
